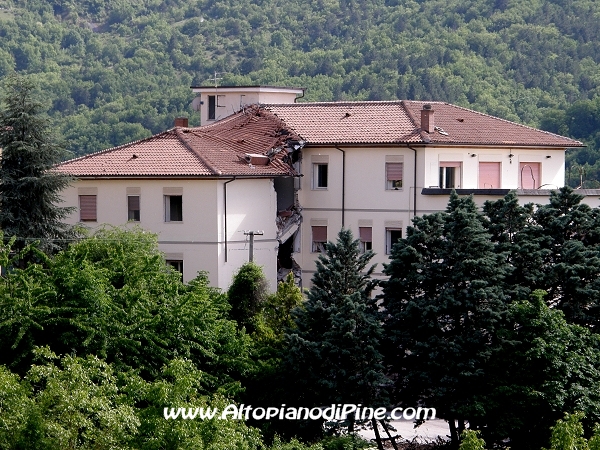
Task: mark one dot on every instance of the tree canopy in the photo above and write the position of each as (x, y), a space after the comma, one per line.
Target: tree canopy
(29, 188)
(115, 71)
(333, 354)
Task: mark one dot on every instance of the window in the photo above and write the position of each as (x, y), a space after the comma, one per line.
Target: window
(212, 104)
(489, 175)
(173, 208)
(319, 239)
(392, 235)
(87, 208)
(320, 176)
(133, 208)
(393, 174)
(529, 175)
(450, 175)
(176, 264)
(365, 235)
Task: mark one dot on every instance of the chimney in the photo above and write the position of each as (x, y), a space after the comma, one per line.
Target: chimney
(427, 122)
(181, 122)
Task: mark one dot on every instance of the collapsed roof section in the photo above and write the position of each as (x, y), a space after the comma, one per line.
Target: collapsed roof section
(253, 143)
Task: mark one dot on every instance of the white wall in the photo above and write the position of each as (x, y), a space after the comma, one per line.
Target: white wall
(232, 99)
(553, 168)
(199, 238)
(367, 202)
(251, 206)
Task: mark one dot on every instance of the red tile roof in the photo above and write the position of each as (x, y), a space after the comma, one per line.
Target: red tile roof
(211, 151)
(400, 122)
(465, 126)
(217, 150)
(348, 122)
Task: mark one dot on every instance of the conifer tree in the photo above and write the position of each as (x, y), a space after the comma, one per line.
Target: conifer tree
(334, 350)
(444, 303)
(29, 188)
(555, 247)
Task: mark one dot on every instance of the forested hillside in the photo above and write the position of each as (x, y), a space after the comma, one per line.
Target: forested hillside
(114, 71)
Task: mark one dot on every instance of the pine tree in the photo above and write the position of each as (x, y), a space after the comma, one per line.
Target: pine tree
(29, 188)
(444, 303)
(571, 249)
(334, 350)
(555, 247)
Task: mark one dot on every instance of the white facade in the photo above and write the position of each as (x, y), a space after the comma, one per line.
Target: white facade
(358, 195)
(375, 190)
(216, 103)
(198, 240)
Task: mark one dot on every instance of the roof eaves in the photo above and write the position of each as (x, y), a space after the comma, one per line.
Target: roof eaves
(579, 144)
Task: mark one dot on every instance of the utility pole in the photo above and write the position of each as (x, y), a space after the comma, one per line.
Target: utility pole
(252, 234)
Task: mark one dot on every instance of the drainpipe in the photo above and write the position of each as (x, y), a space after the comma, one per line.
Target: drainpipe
(297, 98)
(343, 183)
(414, 182)
(225, 211)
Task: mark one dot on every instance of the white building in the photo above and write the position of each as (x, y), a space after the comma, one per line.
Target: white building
(367, 166)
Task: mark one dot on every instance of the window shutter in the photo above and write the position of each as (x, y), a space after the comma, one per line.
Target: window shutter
(529, 173)
(87, 208)
(319, 234)
(365, 234)
(394, 171)
(489, 175)
(133, 202)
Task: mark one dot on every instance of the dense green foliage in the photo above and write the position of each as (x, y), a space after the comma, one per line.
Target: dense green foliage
(113, 296)
(98, 339)
(247, 293)
(463, 340)
(545, 366)
(29, 190)
(445, 305)
(554, 247)
(115, 71)
(333, 354)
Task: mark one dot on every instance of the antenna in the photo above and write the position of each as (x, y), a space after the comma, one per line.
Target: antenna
(216, 78)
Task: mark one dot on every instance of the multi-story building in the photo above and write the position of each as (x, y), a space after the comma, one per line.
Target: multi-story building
(299, 172)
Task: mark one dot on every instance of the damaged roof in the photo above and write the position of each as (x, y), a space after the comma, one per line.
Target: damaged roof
(399, 122)
(221, 149)
(255, 141)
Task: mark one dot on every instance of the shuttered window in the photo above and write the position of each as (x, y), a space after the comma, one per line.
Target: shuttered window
(87, 208)
(394, 175)
(319, 238)
(133, 208)
(530, 175)
(365, 238)
(489, 175)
